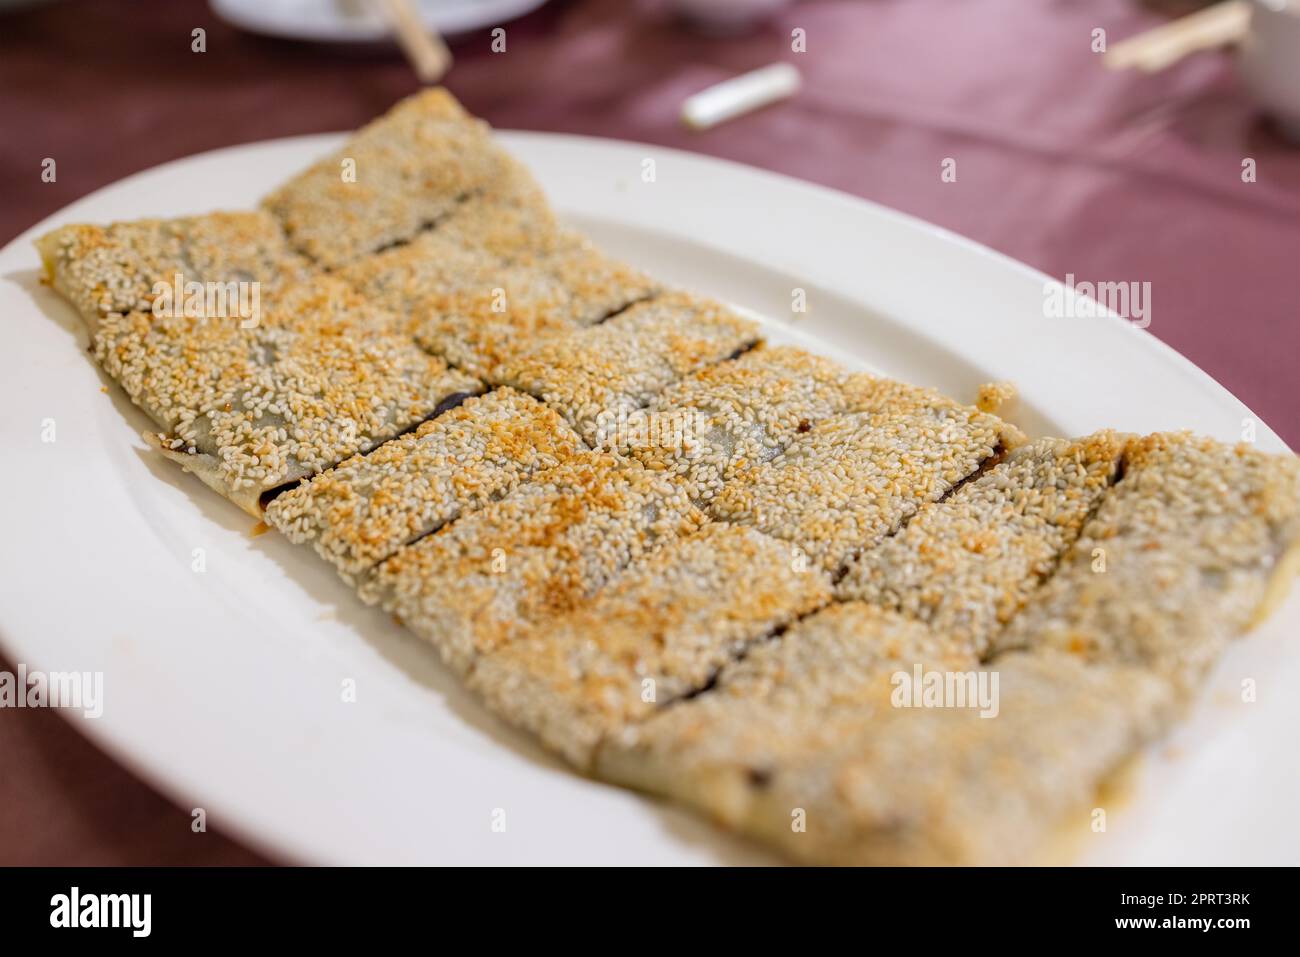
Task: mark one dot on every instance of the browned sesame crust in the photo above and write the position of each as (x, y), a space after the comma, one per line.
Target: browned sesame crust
(1178, 559)
(852, 479)
(495, 278)
(412, 166)
(321, 377)
(966, 564)
(115, 269)
(541, 551)
(365, 509)
(736, 414)
(595, 377)
(659, 632)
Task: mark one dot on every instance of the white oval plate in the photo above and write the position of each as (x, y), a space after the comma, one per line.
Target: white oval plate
(224, 688)
(357, 21)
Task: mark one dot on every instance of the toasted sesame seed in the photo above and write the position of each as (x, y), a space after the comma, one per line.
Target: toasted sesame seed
(656, 633)
(539, 552)
(496, 277)
(364, 509)
(1180, 557)
(411, 167)
(966, 564)
(852, 479)
(116, 269)
(321, 377)
(594, 376)
(737, 413)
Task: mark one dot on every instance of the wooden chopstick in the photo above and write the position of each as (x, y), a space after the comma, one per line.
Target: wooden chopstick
(1164, 46)
(424, 48)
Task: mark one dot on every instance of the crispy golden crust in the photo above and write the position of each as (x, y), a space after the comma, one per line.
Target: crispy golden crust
(659, 632)
(322, 376)
(394, 178)
(966, 564)
(365, 509)
(542, 550)
(852, 479)
(596, 377)
(120, 268)
(1177, 560)
(726, 417)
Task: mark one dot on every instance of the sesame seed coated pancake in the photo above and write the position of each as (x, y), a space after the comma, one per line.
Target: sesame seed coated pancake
(850, 617)
(948, 786)
(477, 308)
(320, 378)
(481, 581)
(118, 268)
(784, 698)
(595, 377)
(658, 632)
(807, 743)
(966, 564)
(853, 479)
(393, 178)
(366, 508)
(1185, 552)
(738, 413)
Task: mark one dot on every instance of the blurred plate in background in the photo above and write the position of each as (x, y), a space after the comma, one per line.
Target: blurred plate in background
(360, 21)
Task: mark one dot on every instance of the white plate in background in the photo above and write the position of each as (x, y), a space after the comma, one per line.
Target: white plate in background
(357, 21)
(223, 689)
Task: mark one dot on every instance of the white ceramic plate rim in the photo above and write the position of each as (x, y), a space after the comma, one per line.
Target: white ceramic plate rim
(223, 688)
(326, 23)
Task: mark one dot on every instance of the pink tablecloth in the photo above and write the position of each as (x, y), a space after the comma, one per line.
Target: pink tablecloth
(1110, 177)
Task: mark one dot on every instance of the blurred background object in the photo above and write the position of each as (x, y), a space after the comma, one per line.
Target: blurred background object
(1270, 61)
(358, 21)
(728, 16)
(1174, 178)
(421, 42)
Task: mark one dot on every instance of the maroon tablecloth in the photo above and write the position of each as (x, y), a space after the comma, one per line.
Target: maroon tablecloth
(1110, 177)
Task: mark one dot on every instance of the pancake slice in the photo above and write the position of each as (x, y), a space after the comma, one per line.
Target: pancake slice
(483, 580)
(661, 630)
(965, 565)
(950, 786)
(1193, 545)
(784, 698)
(126, 267)
(320, 378)
(363, 510)
(496, 315)
(477, 309)
(853, 479)
(812, 743)
(395, 177)
(595, 377)
(738, 413)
